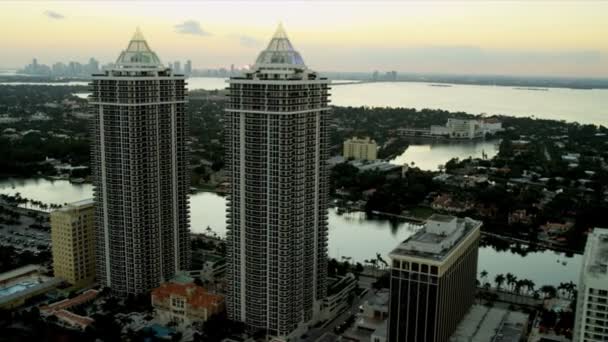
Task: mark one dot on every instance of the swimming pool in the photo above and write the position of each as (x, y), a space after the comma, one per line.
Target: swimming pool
(24, 285)
(161, 331)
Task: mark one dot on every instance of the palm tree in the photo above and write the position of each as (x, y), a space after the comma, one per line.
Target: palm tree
(381, 260)
(548, 290)
(499, 280)
(518, 285)
(511, 279)
(530, 285)
(483, 274)
(487, 286)
(571, 289)
(346, 259)
(568, 288)
(561, 288)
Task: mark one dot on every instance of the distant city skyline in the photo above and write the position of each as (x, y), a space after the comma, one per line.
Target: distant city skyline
(499, 38)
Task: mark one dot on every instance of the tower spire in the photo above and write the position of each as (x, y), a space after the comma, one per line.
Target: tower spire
(138, 53)
(280, 52)
(138, 35)
(280, 32)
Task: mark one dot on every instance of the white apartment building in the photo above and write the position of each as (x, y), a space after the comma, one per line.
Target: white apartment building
(592, 304)
(360, 149)
(467, 128)
(277, 147)
(140, 171)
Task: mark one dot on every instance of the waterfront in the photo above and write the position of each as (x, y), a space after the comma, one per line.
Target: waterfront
(428, 156)
(351, 235)
(68, 83)
(583, 105)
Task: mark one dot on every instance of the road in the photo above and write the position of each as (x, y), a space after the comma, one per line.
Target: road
(326, 332)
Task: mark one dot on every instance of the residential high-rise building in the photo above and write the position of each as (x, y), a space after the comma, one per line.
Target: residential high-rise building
(93, 66)
(276, 142)
(433, 279)
(592, 304)
(73, 242)
(177, 67)
(188, 68)
(360, 149)
(140, 171)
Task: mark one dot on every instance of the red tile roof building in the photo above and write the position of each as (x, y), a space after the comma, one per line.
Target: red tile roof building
(184, 303)
(68, 318)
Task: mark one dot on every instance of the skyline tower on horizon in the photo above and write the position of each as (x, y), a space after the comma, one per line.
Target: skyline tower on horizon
(276, 144)
(139, 163)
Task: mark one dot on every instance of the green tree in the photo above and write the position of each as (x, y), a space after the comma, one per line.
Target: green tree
(499, 280)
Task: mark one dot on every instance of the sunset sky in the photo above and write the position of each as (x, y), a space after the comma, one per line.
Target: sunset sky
(561, 38)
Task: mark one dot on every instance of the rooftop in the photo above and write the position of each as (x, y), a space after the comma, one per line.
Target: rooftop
(74, 319)
(18, 272)
(378, 165)
(138, 54)
(280, 53)
(440, 235)
(196, 296)
(381, 298)
(27, 286)
(596, 254)
(441, 218)
(336, 285)
(60, 309)
(77, 205)
(484, 323)
(71, 302)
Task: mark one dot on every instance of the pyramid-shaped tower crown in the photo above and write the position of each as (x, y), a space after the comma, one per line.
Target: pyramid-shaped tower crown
(138, 54)
(280, 52)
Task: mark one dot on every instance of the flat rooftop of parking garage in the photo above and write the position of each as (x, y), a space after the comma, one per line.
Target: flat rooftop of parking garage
(484, 323)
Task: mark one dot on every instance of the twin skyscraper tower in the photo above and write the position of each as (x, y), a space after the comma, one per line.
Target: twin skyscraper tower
(276, 144)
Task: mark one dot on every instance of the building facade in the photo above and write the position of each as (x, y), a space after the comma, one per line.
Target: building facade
(339, 289)
(140, 172)
(433, 279)
(277, 144)
(73, 242)
(182, 302)
(591, 323)
(360, 149)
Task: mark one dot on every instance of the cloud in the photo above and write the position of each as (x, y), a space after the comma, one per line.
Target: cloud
(54, 15)
(191, 27)
(245, 40)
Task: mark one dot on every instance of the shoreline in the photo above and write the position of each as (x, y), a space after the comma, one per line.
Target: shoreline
(520, 83)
